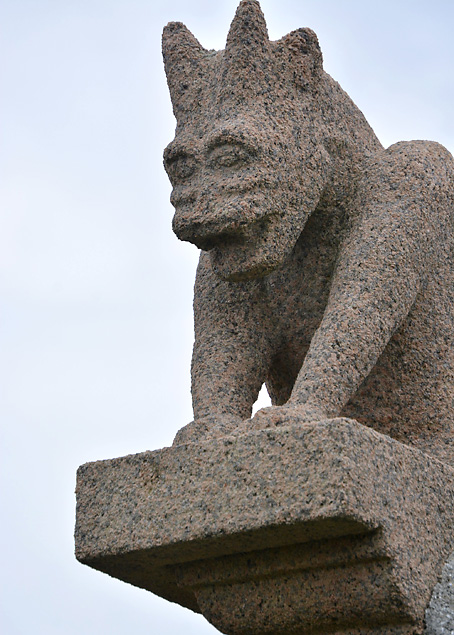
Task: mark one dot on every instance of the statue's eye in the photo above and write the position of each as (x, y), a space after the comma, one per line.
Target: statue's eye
(229, 155)
(180, 166)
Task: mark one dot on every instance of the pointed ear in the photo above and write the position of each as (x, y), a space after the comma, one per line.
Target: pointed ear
(248, 35)
(304, 57)
(183, 57)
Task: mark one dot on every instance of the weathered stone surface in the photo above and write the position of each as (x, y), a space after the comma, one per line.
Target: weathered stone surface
(327, 266)
(327, 272)
(323, 527)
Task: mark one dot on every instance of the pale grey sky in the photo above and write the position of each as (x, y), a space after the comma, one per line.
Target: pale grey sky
(95, 290)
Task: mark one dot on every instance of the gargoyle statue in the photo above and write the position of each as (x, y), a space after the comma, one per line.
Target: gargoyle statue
(327, 266)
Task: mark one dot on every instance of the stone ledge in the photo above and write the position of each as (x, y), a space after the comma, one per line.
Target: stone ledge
(327, 527)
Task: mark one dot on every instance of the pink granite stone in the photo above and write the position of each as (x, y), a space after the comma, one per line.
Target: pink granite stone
(327, 267)
(327, 527)
(326, 272)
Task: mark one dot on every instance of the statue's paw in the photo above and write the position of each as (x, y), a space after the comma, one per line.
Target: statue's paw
(288, 414)
(206, 429)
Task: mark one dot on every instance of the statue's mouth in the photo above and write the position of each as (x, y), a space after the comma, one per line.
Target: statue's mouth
(208, 235)
(221, 234)
(220, 240)
(232, 221)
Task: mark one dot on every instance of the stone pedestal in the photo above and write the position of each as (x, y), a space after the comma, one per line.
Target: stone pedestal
(323, 528)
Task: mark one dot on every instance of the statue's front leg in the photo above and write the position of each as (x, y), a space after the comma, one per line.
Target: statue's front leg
(381, 265)
(229, 357)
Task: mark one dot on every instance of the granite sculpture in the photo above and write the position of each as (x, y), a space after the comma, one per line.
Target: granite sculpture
(327, 273)
(327, 267)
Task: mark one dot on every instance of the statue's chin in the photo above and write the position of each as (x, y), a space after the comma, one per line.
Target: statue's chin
(239, 265)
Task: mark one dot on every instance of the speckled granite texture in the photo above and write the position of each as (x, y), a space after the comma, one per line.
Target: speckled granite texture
(327, 272)
(311, 528)
(327, 266)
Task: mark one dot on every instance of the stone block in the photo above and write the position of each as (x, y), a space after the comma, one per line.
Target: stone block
(329, 527)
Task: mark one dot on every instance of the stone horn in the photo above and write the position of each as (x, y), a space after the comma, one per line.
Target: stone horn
(248, 36)
(183, 61)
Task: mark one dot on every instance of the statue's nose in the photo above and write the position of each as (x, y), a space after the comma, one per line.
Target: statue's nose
(183, 196)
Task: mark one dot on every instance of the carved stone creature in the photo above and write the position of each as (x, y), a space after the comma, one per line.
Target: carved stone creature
(327, 265)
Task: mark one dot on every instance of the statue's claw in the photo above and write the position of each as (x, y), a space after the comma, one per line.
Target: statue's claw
(280, 416)
(206, 429)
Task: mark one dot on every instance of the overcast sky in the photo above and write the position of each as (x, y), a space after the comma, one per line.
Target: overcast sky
(95, 290)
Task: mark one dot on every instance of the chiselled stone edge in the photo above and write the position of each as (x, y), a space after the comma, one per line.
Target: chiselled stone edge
(392, 486)
(233, 485)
